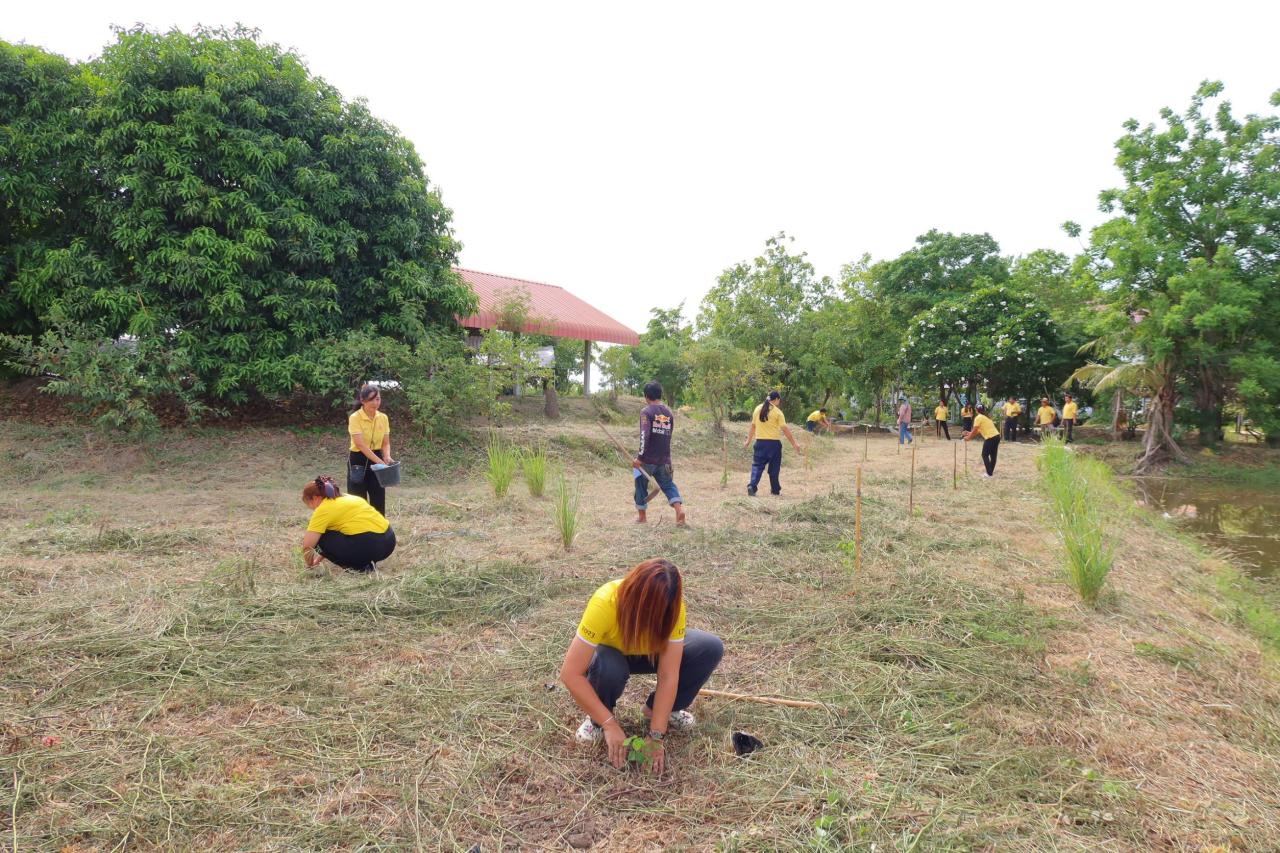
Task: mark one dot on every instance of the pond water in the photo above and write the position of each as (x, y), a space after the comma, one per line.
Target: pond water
(1245, 520)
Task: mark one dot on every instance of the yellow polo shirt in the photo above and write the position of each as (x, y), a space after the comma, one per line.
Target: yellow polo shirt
(1012, 410)
(599, 623)
(1069, 411)
(940, 413)
(985, 427)
(347, 514)
(815, 416)
(966, 412)
(772, 428)
(1044, 415)
(374, 431)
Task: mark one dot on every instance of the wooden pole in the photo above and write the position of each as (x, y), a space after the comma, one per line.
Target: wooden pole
(911, 492)
(866, 441)
(764, 700)
(966, 459)
(857, 527)
(955, 458)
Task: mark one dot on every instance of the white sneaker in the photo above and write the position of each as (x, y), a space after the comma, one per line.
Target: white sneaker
(589, 732)
(986, 476)
(681, 720)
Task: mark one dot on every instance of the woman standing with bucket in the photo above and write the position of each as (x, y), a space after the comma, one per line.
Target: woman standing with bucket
(370, 433)
(768, 426)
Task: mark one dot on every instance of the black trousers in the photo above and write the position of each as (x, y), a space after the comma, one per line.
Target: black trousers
(610, 669)
(1069, 425)
(990, 449)
(358, 550)
(1011, 428)
(365, 485)
(940, 428)
(967, 424)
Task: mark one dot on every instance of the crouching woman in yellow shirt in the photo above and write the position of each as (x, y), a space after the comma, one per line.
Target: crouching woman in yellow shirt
(344, 529)
(636, 625)
(982, 425)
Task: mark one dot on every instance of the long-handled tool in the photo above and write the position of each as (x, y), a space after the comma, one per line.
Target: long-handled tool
(763, 700)
(630, 458)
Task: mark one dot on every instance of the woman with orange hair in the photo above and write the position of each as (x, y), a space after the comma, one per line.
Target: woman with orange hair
(636, 625)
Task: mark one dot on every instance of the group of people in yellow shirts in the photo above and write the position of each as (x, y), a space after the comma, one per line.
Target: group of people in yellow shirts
(1046, 419)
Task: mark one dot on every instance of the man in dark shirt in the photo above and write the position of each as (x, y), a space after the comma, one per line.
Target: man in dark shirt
(654, 458)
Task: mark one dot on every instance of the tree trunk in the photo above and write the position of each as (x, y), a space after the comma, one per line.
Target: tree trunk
(1117, 408)
(1159, 446)
(1209, 409)
(551, 403)
(879, 406)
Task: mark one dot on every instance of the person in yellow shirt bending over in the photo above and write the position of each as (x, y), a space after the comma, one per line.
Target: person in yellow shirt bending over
(940, 414)
(370, 432)
(768, 426)
(1011, 413)
(1045, 416)
(817, 421)
(636, 625)
(983, 426)
(1069, 410)
(344, 529)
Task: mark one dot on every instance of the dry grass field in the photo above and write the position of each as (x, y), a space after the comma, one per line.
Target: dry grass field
(172, 678)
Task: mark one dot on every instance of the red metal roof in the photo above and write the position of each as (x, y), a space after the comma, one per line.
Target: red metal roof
(552, 310)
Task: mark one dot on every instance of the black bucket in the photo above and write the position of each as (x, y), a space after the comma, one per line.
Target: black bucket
(388, 475)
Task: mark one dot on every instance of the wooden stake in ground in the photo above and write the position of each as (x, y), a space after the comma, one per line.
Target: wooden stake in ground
(966, 459)
(911, 491)
(764, 700)
(866, 441)
(955, 456)
(857, 527)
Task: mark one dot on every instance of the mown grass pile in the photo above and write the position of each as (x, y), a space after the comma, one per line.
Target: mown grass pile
(1079, 492)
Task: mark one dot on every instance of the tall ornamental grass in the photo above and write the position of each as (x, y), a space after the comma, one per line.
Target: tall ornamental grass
(503, 461)
(1077, 489)
(565, 511)
(535, 470)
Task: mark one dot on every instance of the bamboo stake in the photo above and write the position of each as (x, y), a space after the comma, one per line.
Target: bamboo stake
(966, 459)
(866, 441)
(911, 492)
(955, 457)
(857, 528)
(764, 700)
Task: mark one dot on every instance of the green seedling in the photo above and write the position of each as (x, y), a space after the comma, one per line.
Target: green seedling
(638, 750)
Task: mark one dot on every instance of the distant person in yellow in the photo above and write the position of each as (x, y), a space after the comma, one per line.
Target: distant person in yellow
(370, 433)
(1069, 410)
(1011, 413)
(1045, 416)
(940, 414)
(817, 421)
(966, 417)
(344, 529)
(768, 426)
(983, 426)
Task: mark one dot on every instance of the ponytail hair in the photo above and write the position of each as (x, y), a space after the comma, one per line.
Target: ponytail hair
(320, 487)
(768, 405)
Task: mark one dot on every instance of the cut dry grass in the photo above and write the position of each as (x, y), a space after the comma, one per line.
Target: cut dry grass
(207, 693)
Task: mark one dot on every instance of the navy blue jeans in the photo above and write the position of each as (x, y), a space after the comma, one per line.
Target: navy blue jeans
(767, 456)
(662, 476)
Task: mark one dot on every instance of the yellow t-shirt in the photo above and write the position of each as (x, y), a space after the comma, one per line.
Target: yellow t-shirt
(1012, 410)
(1069, 411)
(985, 427)
(1044, 415)
(771, 428)
(347, 514)
(599, 623)
(940, 413)
(375, 431)
(813, 416)
(966, 412)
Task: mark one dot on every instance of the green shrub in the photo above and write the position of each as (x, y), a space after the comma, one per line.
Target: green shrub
(535, 470)
(503, 461)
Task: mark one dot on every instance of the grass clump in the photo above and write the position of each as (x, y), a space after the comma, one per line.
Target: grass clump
(565, 511)
(535, 470)
(503, 460)
(1074, 486)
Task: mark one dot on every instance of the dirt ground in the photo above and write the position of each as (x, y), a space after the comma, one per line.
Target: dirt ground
(172, 678)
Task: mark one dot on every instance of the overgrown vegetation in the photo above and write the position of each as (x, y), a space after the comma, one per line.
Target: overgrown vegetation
(534, 462)
(1080, 497)
(504, 459)
(565, 511)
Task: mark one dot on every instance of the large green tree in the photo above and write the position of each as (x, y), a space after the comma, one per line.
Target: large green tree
(1189, 261)
(941, 265)
(243, 213)
(662, 352)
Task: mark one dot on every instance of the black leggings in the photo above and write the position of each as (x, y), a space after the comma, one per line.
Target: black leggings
(355, 551)
(940, 428)
(366, 487)
(990, 448)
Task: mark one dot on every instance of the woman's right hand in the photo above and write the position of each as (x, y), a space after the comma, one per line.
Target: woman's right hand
(615, 741)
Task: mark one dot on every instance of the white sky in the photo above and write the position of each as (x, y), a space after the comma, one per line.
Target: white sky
(630, 152)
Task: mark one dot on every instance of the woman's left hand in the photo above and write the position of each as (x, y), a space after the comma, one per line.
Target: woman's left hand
(657, 756)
